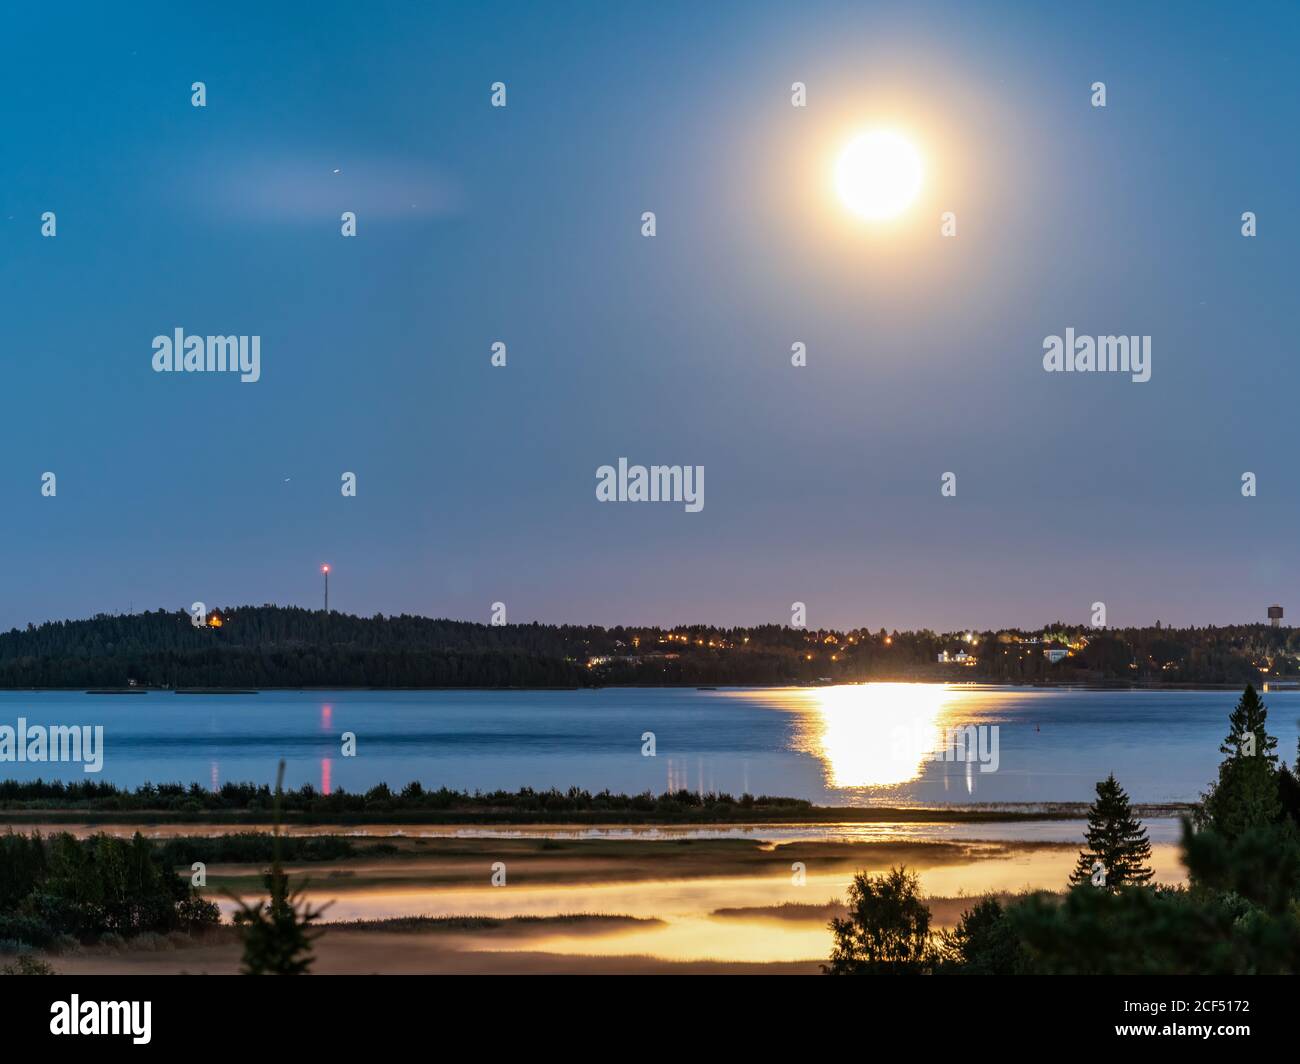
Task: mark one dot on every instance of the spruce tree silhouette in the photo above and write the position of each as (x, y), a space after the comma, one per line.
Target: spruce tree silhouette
(1246, 794)
(1116, 839)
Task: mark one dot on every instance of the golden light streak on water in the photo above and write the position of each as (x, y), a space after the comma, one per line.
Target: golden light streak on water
(874, 734)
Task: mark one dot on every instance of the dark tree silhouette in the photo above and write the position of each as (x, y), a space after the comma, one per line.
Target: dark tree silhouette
(1288, 789)
(1246, 794)
(983, 943)
(278, 935)
(1116, 838)
(887, 930)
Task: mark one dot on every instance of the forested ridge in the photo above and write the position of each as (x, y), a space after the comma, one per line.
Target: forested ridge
(285, 646)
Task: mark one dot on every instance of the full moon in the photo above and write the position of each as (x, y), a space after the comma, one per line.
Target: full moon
(878, 175)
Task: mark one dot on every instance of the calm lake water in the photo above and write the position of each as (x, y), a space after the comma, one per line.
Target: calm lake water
(871, 744)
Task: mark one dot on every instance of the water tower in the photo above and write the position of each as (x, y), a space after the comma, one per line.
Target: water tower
(1275, 615)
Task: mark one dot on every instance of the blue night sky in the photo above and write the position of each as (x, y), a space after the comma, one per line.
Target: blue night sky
(522, 224)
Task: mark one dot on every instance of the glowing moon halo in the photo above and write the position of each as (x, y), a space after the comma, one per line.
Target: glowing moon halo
(878, 175)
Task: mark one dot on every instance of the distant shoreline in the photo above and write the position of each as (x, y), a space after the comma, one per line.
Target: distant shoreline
(284, 647)
(1286, 685)
(819, 815)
